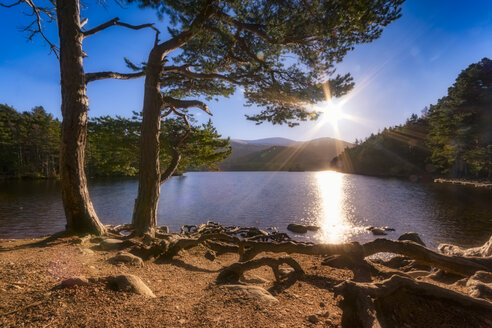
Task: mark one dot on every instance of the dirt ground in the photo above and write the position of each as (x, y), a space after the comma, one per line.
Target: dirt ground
(186, 291)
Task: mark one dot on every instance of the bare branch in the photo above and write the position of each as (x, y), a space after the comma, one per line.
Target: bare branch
(90, 77)
(11, 5)
(36, 11)
(116, 21)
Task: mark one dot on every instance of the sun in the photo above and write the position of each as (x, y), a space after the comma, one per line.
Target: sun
(331, 113)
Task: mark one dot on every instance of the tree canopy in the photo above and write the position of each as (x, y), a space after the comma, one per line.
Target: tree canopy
(282, 55)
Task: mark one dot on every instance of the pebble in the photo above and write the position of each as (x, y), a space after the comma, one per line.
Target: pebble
(313, 318)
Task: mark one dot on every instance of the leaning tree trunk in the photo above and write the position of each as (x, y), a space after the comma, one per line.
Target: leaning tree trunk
(79, 211)
(145, 211)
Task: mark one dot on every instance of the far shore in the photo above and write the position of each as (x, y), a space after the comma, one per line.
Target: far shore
(466, 182)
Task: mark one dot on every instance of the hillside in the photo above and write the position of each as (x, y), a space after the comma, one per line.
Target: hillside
(279, 154)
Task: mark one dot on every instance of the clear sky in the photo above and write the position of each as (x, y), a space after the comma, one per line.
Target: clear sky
(413, 63)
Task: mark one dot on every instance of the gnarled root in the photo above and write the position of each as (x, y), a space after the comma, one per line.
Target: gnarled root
(400, 300)
(236, 270)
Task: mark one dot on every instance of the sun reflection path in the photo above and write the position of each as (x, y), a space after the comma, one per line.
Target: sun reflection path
(335, 228)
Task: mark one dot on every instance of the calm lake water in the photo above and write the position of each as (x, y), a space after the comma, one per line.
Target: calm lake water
(343, 205)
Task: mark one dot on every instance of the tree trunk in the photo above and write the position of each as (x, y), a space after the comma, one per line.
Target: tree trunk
(79, 211)
(145, 211)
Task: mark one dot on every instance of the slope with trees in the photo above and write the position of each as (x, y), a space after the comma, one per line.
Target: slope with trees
(452, 138)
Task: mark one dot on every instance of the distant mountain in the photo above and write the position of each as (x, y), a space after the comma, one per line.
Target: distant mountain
(267, 142)
(280, 154)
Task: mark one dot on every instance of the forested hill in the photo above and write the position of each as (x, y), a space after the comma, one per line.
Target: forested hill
(452, 138)
(279, 154)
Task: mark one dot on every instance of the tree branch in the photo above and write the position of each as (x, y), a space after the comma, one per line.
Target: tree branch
(179, 40)
(193, 75)
(116, 21)
(175, 155)
(178, 103)
(90, 77)
(11, 5)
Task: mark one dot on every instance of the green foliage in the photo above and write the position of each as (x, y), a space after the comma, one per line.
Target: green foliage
(453, 137)
(112, 146)
(280, 53)
(396, 151)
(113, 143)
(461, 124)
(201, 150)
(29, 143)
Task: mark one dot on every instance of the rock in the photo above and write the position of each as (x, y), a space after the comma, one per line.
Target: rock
(378, 232)
(300, 228)
(210, 255)
(110, 244)
(253, 292)
(313, 318)
(412, 236)
(285, 272)
(483, 251)
(75, 281)
(130, 283)
(124, 257)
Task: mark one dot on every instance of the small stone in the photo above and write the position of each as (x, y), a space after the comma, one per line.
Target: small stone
(124, 257)
(313, 318)
(75, 281)
(210, 255)
(412, 236)
(378, 232)
(285, 272)
(110, 244)
(131, 283)
(182, 321)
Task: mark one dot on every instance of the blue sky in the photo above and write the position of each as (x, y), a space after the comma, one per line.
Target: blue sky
(413, 63)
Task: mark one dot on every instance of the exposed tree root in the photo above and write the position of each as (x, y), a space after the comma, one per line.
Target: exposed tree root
(464, 266)
(401, 301)
(236, 270)
(395, 302)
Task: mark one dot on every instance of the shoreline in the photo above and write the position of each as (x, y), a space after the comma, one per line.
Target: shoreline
(473, 183)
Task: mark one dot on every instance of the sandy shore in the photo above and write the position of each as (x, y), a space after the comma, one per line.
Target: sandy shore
(185, 288)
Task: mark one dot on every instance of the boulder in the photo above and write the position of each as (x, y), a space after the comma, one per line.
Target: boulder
(378, 232)
(412, 236)
(128, 258)
(130, 283)
(254, 293)
(300, 228)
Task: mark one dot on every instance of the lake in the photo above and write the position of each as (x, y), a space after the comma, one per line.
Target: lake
(343, 205)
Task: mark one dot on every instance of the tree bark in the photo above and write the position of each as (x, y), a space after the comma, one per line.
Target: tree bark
(149, 182)
(79, 211)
